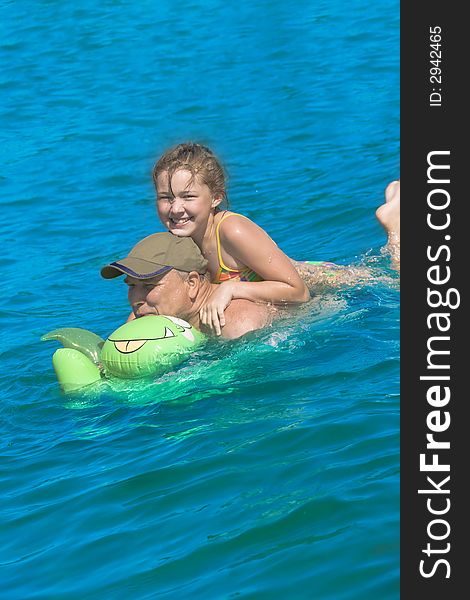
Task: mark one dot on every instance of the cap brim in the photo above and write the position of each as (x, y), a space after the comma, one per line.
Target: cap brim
(135, 267)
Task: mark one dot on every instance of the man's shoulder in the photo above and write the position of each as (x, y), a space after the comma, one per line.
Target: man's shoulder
(242, 316)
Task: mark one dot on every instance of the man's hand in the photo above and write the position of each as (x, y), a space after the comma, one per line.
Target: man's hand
(212, 314)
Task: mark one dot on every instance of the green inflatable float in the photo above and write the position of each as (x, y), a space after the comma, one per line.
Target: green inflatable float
(144, 347)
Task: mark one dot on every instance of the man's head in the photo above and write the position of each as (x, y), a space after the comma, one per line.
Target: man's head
(163, 273)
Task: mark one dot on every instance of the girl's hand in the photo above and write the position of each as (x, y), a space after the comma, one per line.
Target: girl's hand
(212, 315)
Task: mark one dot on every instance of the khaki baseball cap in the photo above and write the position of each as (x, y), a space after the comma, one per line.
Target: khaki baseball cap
(155, 255)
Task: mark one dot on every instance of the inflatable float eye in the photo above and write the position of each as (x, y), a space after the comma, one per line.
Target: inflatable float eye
(186, 328)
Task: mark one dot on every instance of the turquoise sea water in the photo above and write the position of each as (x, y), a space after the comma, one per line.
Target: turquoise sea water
(262, 468)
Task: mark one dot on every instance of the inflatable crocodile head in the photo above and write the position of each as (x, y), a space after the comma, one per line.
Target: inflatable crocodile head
(148, 346)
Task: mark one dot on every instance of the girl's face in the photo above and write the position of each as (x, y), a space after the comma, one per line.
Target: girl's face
(184, 206)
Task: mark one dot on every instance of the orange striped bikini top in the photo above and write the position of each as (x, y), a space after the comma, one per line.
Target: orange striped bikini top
(225, 273)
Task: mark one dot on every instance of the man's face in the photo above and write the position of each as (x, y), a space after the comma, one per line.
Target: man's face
(164, 295)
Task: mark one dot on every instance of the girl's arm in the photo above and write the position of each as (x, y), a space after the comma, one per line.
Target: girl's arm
(249, 245)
